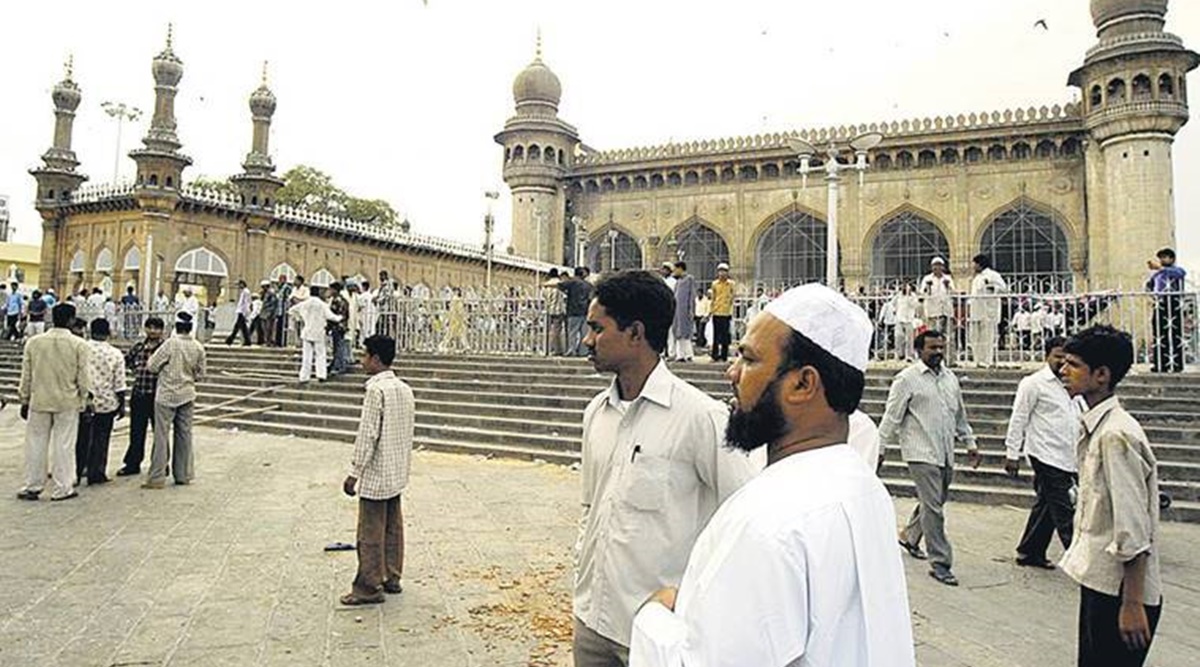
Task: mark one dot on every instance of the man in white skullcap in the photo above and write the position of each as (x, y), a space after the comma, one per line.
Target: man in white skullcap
(797, 567)
(937, 292)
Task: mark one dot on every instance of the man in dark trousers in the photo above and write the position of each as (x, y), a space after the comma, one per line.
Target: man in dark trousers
(242, 325)
(141, 401)
(1045, 427)
(1167, 284)
(579, 295)
(106, 367)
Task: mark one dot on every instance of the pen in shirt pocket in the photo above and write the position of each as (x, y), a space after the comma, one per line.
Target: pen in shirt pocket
(637, 449)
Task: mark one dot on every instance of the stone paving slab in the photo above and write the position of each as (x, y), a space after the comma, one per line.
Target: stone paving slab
(230, 570)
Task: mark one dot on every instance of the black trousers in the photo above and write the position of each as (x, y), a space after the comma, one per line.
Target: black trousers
(91, 445)
(1052, 511)
(141, 417)
(721, 340)
(1168, 335)
(243, 328)
(12, 333)
(699, 338)
(1100, 643)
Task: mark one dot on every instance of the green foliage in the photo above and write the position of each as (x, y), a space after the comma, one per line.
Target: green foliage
(221, 185)
(312, 189)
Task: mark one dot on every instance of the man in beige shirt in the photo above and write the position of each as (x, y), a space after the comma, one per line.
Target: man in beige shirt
(180, 364)
(53, 390)
(1114, 551)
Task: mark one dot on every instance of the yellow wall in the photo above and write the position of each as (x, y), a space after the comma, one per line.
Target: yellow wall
(27, 258)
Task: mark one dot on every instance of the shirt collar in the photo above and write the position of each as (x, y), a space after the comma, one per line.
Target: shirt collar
(381, 375)
(656, 390)
(1047, 375)
(1093, 417)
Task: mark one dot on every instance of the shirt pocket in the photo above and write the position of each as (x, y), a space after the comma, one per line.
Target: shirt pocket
(647, 482)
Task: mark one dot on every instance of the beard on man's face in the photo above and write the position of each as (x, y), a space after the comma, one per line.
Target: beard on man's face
(762, 425)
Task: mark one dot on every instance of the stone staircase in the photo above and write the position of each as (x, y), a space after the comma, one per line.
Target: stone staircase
(532, 408)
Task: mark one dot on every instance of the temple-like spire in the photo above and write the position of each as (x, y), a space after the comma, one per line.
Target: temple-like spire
(160, 164)
(57, 177)
(257, 181)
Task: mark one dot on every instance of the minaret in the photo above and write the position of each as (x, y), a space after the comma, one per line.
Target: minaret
(538, 152)
(257, 181)
(1135, 101)
(160, 164)
(57, 178)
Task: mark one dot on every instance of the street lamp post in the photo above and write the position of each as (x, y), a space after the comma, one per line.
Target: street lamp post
(613, 235)
(489, 225)
(122, 113)
(580, 239)
(806, 151)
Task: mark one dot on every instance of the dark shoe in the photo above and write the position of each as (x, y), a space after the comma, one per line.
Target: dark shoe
(98, 480)
(353, 600)
(128, 472)
(913, 550)
(392, 587)
(1026, 561)
(944, 576)
(73, 494)
(28, 495)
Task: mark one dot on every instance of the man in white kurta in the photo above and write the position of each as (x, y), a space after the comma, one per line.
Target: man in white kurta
(983, 311)
(796, 568)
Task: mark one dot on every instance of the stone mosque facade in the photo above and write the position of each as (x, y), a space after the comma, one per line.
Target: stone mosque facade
(1069, 196)
(159, 234)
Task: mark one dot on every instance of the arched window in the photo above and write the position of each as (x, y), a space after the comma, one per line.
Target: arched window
(549, 155)
(997, 153)
(1029, 248)
(674, 179)
(883, 162)
(1046, 149)
(104, 261)
(927, 158)
(607, 185)
(1021, 151)
(623, 183)
(285, 270)
(201, 262)
(727, 174)
(1070, 147)
(77, 262)
(973, 154)
(323, 278)
(1141, 88)
(792, 251)
(133, 259)
(904, 160)
(749, 173)
(592, 186)
(950, 156)
(656, 181)
(622, 253)
(535, 153)
(701, 247)
(903, 247)
(710, 176)
(770, 170)
(639, 183)
(691, 178)
(1116, 91)
(518, 153)
(1166, 87)
(1096, 98)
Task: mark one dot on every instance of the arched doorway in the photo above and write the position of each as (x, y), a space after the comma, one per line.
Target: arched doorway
(700, 246)
(1030, 249)
(202, 270)
(903, 247)
(792, 251)
(607, 251)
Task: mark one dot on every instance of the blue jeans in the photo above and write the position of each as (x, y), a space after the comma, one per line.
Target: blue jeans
(576, 332)
(341, 353)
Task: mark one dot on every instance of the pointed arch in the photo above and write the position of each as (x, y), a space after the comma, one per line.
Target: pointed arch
(623, 253)
(133, 259)
(322, 278)
(77, 262)
(282, 269)
(790, 247)
(902, 244)
(1028, 243)
(202, 261)
(700, 245)
(104, 260)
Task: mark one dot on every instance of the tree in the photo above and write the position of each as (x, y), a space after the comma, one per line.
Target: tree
(221, 185)
(313, 190)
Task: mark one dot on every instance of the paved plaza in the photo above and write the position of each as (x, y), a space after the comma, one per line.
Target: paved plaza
(231, 570)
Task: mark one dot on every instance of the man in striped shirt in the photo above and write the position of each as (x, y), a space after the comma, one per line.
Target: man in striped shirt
(925, 415)
(378, 473)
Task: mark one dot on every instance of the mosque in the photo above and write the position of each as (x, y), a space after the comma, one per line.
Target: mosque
(1068, 196)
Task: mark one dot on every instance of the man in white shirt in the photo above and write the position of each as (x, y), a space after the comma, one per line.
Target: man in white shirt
(796, 568)
(1045, 427)
(654, 466)
(906, 322)
(106, 369)
(864, 439)
(312, 314)
(983, 311)
(667, 271)
(188, 304)
(937, 290)
(243, 316)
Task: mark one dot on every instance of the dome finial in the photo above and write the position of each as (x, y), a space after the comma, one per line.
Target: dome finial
(170, 35)
(264, 74)
(69, 67)
(537, 54)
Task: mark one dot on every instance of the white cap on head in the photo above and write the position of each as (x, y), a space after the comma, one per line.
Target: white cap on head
(829, 320)
(937, 260)
(722, 267)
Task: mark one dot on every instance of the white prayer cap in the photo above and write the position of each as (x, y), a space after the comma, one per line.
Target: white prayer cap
(828, 319)
(937, 260)
(722, 267)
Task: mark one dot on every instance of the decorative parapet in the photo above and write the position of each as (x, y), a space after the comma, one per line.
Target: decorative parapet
(893, 130)
(90, 194)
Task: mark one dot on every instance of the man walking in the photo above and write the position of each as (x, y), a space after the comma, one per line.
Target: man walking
(1114, 552)
(556, 313)
(937, 291)
(180, 364)
(579, 293)
(337, 330)
(242, 325)
(141, 399)
(722, 313)
(654, 466)
(683, 328)
(284, 295)
(379, 473)
(313, 314)
(1167, 284)
(983, 311)
(796, 568)
(14, 308)
(106, 368)
(1045, 426)
(36, 313)
(925, 415)
(53, 390)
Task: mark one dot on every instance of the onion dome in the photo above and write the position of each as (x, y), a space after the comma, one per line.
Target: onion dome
(66, 94)
(1128, 16)
(262, 100)
(167, 67)
(536, 83)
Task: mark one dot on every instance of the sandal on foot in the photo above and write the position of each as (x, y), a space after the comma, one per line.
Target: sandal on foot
(352, 600)
(944, 576)
(392, 587)
(1043, 563)
(28, 495)
(73, 494)
(913, 550)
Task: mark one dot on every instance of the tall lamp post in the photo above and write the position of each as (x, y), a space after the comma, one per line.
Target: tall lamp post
(806, 151)
(122, 113)
(580, 239)
(610, 242)
(489, 226)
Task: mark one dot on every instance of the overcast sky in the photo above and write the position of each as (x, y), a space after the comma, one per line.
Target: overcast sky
(399, 99)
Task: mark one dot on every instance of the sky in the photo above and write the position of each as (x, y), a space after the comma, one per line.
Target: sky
(400, 99)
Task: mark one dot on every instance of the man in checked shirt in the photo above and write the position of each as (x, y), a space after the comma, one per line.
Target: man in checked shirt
(378, 473)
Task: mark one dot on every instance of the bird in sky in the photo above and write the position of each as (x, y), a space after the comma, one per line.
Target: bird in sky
(1041, 23)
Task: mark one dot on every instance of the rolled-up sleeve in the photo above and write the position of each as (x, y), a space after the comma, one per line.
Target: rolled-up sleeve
(1126, 473)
